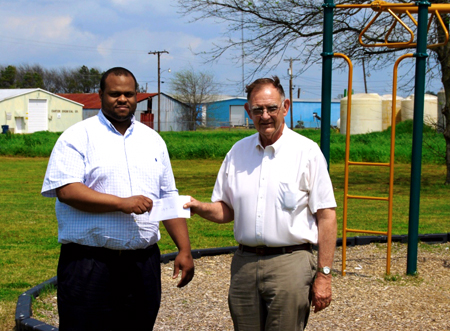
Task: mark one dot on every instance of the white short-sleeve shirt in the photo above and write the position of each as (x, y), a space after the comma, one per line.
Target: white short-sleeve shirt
(94, 153)
(275, 191)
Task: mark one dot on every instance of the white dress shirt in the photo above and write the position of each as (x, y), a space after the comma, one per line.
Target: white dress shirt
(94, 153)
(275, 191)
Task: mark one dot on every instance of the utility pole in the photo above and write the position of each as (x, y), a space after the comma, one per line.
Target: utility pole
(243, 54)
(364, 75)
(290, 73)
(159, 85)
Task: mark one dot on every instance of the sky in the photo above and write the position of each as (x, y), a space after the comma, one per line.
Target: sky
(109, 33)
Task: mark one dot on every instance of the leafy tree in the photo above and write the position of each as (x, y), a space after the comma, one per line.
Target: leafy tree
(30, 76)
(8, 77)
(195, 90)
(32, 80)
(89, 79)
(273, 27)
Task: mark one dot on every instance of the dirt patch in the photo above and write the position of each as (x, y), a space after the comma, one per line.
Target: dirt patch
(365, 299)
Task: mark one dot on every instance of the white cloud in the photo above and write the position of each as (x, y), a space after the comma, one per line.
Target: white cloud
(153, 7)
(47, 32)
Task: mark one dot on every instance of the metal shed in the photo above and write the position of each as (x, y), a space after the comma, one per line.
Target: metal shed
(31, 110)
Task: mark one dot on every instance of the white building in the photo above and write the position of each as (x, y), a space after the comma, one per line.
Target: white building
(31, 110)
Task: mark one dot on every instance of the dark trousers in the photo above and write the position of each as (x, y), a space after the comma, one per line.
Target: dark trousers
(101, 289)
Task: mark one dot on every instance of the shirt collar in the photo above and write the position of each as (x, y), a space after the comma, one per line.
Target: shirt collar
(108, 124)
(276, 146)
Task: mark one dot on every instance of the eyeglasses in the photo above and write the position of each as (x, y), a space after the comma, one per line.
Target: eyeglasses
(271, 110)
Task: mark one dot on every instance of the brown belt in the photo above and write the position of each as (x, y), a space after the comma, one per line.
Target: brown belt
(264, 250)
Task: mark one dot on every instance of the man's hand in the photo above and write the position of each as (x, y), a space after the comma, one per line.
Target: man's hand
(217, 212)
(177, 229)
(137, 204)
(193, 205)
(185, 263)
(321, 292)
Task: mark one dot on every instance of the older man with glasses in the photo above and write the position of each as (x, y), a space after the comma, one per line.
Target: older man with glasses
(276, 187)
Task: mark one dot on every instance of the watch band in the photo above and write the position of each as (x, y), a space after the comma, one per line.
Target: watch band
(325, 270)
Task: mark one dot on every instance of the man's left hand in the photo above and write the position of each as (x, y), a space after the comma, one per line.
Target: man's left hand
(321, 292)
(185, 263)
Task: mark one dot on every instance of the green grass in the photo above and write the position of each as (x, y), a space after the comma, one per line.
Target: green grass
(214, 144)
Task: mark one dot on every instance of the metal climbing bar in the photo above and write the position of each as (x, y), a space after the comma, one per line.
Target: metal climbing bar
(403, 9)
(422, 24)
(348, 163)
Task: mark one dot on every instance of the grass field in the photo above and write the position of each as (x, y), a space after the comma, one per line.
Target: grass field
(28, 237)
(214, 144)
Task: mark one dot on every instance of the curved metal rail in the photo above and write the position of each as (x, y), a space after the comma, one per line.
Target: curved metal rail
(402, 9)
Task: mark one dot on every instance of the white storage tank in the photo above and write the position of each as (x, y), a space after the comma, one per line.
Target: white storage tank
(366, 113)
(386, 113)
(430, 109)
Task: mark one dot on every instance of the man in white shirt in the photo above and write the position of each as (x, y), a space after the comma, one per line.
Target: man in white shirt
(105, 172)
(276, 187)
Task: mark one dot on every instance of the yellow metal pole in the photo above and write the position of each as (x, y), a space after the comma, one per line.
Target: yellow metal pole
(347, 156)
(392, 158)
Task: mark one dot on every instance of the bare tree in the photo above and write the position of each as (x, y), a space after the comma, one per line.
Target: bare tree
(196, 90)
(274, 27)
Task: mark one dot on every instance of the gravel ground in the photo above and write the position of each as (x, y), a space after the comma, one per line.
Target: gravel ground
(364, 299)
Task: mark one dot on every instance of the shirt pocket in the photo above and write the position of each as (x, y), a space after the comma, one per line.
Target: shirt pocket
(291, 196)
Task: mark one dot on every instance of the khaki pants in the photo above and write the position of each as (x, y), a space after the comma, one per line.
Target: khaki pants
(271, 292)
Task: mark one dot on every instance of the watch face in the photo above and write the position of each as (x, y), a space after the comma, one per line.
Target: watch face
(326, 270)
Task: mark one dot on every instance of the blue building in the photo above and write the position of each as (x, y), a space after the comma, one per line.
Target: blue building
(230, 111)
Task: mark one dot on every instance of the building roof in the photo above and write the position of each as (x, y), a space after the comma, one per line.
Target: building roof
(6, 94)
(92, 100)
(12, 93)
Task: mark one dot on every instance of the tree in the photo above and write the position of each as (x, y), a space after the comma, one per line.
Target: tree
(89, 79)
(195, 90)
(273, 27)
(32, 80)
(62, 80)
(8, 77)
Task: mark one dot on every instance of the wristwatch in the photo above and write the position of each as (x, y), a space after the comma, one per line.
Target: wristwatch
(324, 270)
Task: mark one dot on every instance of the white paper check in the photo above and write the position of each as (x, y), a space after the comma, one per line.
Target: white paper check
(168, 208)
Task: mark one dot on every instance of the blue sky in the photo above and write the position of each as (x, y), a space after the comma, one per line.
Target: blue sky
(103, 34)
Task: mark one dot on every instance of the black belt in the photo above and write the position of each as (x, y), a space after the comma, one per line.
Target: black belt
(264, 250)
(103, 252)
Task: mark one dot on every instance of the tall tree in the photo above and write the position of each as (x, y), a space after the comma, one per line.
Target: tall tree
(273, 27)
(31, 80)
(88, 79)
(195, 90)
(8, 77)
